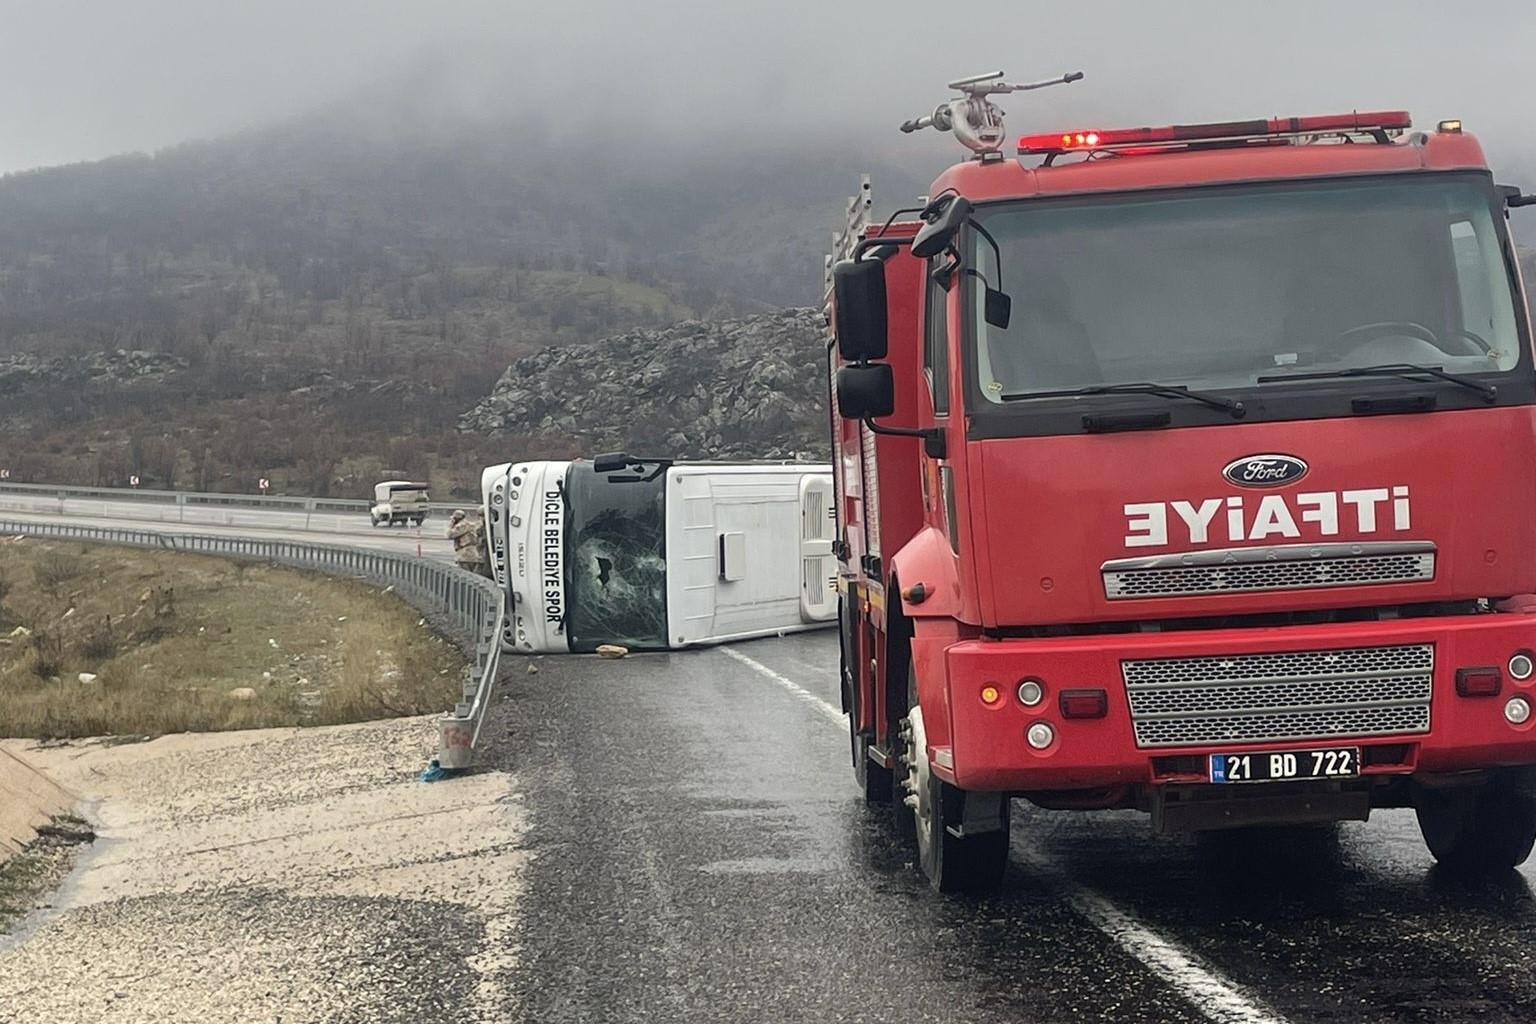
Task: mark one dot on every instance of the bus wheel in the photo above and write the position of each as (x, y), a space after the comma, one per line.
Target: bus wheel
(966, 863)
(1480, 829)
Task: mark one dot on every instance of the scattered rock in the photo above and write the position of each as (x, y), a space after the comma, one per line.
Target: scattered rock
(748, 388)
(611, 651)
(25, 369)
(533, 669)
(87, 677)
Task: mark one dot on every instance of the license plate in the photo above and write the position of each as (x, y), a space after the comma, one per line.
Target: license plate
(1341, 763)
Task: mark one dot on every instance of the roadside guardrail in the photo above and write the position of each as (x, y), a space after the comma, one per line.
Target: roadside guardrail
(274, 502)
(469, 608)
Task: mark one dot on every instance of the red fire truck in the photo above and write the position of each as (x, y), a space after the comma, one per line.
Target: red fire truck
(1189, 469)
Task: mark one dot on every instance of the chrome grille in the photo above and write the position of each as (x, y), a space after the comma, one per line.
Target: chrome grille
(1290, 695)
(1277, 567)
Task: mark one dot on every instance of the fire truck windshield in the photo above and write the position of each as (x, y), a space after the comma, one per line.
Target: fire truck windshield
(1241, 287)
(616, 559)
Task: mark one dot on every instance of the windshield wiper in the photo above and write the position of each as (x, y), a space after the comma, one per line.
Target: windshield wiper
(1407, 371)
(1146, 387)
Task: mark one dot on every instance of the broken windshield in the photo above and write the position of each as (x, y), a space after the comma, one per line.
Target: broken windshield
(616, 568)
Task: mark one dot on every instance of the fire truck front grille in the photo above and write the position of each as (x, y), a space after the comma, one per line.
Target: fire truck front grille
(1293, 695)
(1278, 567)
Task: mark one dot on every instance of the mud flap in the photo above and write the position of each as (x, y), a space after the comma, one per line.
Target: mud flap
(977, 813)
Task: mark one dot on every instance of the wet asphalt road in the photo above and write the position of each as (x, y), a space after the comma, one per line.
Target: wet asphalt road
(701, 855)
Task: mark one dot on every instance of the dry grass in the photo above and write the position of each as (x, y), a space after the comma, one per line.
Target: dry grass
(170, 636)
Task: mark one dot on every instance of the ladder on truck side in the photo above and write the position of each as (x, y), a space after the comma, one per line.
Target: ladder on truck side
(857, 219)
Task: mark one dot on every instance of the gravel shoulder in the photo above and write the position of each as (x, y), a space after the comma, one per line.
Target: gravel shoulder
(278, 874)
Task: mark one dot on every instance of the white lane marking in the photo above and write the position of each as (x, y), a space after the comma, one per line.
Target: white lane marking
(1185, 972)
(793, 687)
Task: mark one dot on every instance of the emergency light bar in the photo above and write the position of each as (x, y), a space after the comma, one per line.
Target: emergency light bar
(1371, 122)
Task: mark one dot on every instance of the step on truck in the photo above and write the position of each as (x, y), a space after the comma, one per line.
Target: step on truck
(651, 555)
(1188, 469)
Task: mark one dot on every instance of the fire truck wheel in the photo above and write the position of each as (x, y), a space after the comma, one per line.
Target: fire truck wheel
(963, 864)
(1480, 829)
(905, 799)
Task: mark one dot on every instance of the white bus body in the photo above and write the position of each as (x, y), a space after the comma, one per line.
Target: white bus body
(657, 559)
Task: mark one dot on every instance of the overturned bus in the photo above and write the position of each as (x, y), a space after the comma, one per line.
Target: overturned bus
(653, 555)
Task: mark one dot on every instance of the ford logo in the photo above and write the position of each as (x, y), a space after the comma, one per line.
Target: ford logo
(1265, 470)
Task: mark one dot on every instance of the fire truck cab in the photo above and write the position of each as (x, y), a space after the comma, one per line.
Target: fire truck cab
(1189, 469)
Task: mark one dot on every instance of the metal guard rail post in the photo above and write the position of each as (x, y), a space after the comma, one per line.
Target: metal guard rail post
(471, 608)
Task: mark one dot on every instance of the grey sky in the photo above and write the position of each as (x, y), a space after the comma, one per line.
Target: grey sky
(87, 78)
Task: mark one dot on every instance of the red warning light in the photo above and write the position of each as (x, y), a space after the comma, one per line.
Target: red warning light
(1274, 127)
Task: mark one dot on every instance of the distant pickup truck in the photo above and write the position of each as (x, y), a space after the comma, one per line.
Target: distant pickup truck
(399, 501)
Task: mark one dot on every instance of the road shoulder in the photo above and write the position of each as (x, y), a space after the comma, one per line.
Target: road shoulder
(301, 874)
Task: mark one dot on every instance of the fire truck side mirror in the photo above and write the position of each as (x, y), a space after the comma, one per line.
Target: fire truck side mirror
(866, 392)
(1513, 197)
(858, 296)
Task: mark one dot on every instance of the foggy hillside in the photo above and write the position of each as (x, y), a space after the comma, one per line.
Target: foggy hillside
(340, 287)
(390, 210)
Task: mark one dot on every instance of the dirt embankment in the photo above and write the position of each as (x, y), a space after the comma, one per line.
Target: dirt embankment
(28, 799)
(97, 640)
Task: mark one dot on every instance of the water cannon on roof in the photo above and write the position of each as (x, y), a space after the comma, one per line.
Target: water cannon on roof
(973, 118)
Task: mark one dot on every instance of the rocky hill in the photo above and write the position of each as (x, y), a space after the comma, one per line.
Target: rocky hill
(25, 369)
(753, 387)
(318, 301)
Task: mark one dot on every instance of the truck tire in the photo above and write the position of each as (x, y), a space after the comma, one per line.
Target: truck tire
(972, 864)
(1480, 829)
(901, 732)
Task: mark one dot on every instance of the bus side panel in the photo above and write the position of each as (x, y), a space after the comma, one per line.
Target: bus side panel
(754, 519)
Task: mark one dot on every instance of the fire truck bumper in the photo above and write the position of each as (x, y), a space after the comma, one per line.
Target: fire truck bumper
(1431, 696)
